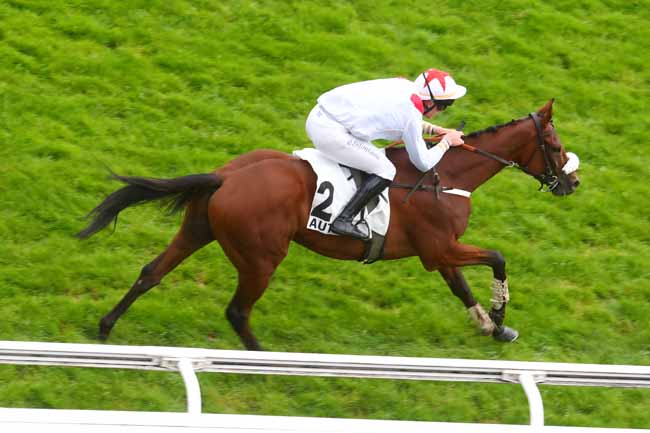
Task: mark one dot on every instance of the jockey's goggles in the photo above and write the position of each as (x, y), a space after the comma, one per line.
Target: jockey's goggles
(442, 104)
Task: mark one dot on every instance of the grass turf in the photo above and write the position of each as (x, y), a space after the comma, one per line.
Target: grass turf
(171, 88)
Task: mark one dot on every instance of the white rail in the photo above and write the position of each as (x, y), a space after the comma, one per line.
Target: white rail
(188, 360)
(88, 421)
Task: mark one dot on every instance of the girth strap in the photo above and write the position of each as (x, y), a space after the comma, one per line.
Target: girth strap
(432, 188)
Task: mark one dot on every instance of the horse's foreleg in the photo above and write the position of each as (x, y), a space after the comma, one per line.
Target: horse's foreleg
(460, 288)
(466, 255)
(193, 235)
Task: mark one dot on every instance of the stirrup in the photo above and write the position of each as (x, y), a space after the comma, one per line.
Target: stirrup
(348, 228)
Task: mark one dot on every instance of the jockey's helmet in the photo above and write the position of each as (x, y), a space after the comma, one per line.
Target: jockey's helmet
(438, 85)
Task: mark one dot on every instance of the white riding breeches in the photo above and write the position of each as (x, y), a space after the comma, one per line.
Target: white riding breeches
(334, 140)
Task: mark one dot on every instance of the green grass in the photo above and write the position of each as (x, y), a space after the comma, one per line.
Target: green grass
(170, 88)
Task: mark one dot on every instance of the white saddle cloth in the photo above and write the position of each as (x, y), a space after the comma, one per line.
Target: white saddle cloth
(335, 186)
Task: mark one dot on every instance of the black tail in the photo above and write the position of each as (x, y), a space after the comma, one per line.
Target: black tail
(175, 193)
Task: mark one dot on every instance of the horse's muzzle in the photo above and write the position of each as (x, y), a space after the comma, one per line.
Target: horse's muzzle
(567, 184)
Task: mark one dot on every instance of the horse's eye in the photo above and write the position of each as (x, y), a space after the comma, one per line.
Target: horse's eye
(556, 149)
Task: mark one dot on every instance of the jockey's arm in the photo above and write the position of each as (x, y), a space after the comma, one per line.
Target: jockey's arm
(421, 157)
(454, 137)
(431, 129)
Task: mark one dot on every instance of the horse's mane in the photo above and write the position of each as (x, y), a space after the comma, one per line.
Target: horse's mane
(494, 128)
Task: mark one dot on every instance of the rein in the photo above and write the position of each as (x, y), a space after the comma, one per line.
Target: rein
(490, 155)
(436, 178)
(547, 179)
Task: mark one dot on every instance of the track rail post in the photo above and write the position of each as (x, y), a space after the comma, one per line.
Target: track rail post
(529, 380)
(536, 406)
(187, 369)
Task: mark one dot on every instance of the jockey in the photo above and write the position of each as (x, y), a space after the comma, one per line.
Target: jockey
(346, 120)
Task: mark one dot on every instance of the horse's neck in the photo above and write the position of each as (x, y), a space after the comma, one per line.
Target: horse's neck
(466, 170)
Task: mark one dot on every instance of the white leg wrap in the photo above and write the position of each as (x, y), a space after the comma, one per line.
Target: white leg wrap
(481, 318)
(500, 293)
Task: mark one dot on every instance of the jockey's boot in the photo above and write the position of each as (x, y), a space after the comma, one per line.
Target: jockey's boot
(343, 225)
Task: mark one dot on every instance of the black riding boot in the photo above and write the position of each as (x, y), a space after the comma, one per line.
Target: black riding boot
(343, 225)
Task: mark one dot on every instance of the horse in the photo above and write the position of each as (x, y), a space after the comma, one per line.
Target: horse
(259, 202)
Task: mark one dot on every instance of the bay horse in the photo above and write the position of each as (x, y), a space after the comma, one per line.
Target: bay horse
(259, 202)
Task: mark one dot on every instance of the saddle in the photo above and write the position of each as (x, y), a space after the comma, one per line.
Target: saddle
(335, 185)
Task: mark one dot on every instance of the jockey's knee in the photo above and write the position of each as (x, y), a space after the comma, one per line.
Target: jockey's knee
(388, 171)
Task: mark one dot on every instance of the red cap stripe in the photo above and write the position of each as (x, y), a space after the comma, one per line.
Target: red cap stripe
(434, 74)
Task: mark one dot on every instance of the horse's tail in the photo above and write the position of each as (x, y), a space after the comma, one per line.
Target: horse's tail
(175, 193)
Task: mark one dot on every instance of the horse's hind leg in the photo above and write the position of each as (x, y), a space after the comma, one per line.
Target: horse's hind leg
(460, 288)
(249, 289)
(193, 234)
(255, 263)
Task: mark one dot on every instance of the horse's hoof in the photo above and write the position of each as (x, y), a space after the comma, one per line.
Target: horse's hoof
(505, 334)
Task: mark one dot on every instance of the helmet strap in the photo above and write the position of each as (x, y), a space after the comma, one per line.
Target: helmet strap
(426, 82)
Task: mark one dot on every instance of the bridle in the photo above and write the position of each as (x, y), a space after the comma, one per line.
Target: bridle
(548, 179)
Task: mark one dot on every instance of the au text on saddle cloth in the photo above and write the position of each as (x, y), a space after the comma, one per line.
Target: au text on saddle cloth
(335, 186)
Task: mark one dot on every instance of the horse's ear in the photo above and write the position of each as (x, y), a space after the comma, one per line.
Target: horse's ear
(546, 112)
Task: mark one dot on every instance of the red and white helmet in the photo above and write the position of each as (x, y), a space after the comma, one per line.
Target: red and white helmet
(438, 83)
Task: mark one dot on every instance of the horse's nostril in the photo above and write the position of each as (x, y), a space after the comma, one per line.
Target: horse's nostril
(576, 183)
